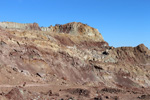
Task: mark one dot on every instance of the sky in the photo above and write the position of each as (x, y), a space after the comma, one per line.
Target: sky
(121, 22)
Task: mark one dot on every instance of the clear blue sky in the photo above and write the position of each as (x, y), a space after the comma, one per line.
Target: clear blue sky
(121, 22)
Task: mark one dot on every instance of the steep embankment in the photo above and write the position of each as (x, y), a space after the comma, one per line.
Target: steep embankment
(70, 54)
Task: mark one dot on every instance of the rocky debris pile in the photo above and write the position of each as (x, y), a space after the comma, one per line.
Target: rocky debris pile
(20, 93)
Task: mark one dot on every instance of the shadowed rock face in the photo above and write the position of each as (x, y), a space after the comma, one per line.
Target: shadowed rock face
(72, 54)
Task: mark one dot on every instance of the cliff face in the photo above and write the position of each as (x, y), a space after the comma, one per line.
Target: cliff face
(71, 55)
(12, 25)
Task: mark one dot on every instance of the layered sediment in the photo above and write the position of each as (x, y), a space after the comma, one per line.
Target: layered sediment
(73, 57)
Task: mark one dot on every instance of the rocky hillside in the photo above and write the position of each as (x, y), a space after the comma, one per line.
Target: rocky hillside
(73, 28)
(69, 61)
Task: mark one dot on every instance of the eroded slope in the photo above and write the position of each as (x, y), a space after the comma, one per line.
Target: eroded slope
(71, 55)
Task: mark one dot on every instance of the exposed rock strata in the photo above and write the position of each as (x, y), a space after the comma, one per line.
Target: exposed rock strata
(69, 28)
(71, 55)
(12, 25)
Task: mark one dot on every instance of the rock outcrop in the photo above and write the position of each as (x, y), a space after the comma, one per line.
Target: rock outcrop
(78, 29)
(72, 57)
(73, 28)
(13, 25)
